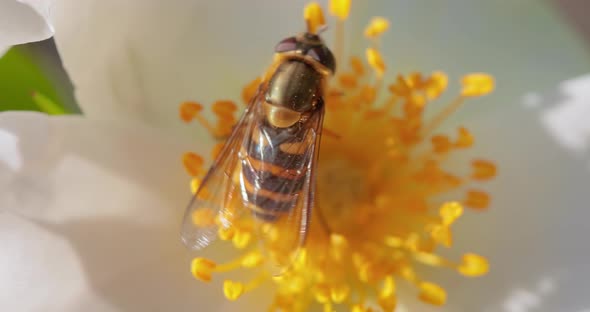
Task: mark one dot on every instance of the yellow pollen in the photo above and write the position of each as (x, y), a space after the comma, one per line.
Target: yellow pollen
(376, 27)
(473, 265)
(477, 84)
(387, 303)
(465, 139)
(252, 259)
(195, 183)
(225, 109)
(193, 163)
(478, 200)
(483, 170)
(241, 239)
(432, 293)
(357, 66)
(449, 212)
(360, 308)
(202, 268)
(384, 168)
(314, 17)
(226, 233)
(232, 290)
(189, 110)
(437, 83)
(340, 8)
(375, 61)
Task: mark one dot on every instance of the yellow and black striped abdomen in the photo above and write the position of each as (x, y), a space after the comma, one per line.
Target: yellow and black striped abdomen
(274, 168)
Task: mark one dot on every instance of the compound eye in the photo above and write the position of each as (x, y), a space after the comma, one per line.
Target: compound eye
(287, 45)
(324, 56)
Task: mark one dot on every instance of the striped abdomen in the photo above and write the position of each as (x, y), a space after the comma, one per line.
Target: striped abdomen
(274, 168)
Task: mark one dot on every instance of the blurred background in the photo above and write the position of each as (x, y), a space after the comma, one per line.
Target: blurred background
(32, 76)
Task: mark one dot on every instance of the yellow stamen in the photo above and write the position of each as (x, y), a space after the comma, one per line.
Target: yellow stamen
(442, 235)
(375, 61)
(252, 259)
(465, 138)
(322, 293)
(388, 289)
(449, 212)
(477, 84)
(483, 170)
(376, 27)
(388, 303)
(241, 239)
(232, 290)
(225, 108)
(340, 8)
(478, 200)
(379, 183)
(226, 233)
(314, 17)
(202, 268)
(360, 308)
(339, 293)
(444, 114)
(357, 66)
(195, 183)
(436, 85)
(188, 110)
(193, 164)
(473, 265)
(432, 293)
(348, 80)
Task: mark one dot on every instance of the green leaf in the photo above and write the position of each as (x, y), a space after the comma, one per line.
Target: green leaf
(22, 76)
(45, 104)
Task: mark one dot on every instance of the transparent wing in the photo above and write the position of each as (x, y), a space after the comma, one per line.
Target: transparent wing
(279, 187)
(217, 202)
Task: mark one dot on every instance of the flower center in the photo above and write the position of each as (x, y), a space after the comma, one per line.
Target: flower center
(341, 187)
(382, 171)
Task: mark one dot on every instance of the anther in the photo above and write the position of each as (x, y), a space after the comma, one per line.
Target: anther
(202, 268)
(432, 293)
(477, 84)
(314, 17)
(377, 26)
(473, 265)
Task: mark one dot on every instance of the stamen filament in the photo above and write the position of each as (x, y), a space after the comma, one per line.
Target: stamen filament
(205, 123)
(257, 281)
(339, 41)
(232, 265)
(442, 115)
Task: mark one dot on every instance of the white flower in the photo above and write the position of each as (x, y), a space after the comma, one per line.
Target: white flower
(23, 21)
(90, 207)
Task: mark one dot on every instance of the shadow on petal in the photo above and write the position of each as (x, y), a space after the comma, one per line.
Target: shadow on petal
(136, 267)
(115, 194)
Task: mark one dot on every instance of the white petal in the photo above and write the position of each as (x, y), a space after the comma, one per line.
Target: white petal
(535, 232)
(89, 215)
(141, 59)
(24, 21)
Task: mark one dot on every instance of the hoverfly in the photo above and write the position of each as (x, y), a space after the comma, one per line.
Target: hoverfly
(266, 171)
